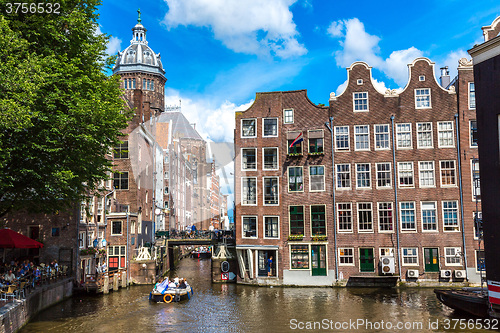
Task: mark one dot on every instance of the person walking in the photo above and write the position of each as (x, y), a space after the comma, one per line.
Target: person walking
(269, 266)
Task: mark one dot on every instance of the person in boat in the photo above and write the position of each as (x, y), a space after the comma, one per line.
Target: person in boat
(182, 284)
(172, 284)
(162, 286)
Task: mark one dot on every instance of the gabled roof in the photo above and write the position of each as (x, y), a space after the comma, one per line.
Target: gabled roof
(181, 128)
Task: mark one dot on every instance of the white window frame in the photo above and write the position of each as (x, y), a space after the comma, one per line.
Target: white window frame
(470, 133)
(422, 203)
(419, 102)
(474, 164)
(367, 134)
(420, 132)
(369, 176)
(452, 256)
(388, 133)
(264, 158)
(401, 216)
(412, 175)
(471, 107)
(421, 173)
(359, 210)
(263, 127)
(480, 214)
(242, 193)
(343, 172)
(442, 132)
(400, 134)
(360, 96)
(457, 225)
(344, 231)
(243, 156)
(336, 134)
(454, 169)
(285, 116)
(243, 226)
(255, 129)
(264, 221)
(392, 217)
(385, 171)
(264, 191)
(413, 255)
(351, 255)
(311, 181)
(112, 232)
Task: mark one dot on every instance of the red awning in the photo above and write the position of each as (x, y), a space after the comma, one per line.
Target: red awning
(11, 239)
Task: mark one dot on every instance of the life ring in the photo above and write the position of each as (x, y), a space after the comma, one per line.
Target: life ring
(169, 300)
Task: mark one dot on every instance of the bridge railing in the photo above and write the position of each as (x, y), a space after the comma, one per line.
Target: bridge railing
(203, 234)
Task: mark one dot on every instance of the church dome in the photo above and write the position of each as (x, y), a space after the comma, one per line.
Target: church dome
(138, 56)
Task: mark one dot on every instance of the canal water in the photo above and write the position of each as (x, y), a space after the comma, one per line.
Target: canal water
(237, 308)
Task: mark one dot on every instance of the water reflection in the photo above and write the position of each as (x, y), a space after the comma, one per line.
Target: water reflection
(237, 308)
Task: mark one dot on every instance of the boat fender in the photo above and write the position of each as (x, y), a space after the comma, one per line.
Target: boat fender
(189, 296)
(167, 298)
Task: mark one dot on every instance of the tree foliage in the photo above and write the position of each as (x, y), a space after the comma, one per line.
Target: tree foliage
(60, 114)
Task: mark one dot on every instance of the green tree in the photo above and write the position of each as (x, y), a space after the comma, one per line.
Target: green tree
(60, 114)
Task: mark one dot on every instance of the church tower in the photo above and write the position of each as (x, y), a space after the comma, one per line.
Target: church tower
(141, 72)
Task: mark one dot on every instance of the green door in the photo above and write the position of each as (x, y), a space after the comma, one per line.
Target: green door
(366, 263)
(431, 259)
(318, 256)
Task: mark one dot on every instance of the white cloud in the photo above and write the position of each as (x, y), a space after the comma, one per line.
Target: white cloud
(358, 45)
(341, 88)
(114, 43)
(259, 27)
(451, 61)
(213, 122)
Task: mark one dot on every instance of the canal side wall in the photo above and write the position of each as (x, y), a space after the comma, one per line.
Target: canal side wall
(17, 313)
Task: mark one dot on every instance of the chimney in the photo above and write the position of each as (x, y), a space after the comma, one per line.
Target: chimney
(445, 77)
(193, 125)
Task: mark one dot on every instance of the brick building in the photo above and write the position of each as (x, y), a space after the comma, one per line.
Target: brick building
(396, 192)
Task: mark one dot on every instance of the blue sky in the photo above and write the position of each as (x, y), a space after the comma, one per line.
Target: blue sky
(218, 53)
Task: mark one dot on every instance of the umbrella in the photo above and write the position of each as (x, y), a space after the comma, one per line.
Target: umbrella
(14, 240)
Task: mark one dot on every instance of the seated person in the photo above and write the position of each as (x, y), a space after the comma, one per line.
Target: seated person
(9, 277)
(172, 285)
(182, 284)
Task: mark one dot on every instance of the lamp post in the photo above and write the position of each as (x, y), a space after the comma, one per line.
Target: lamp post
(329, 125)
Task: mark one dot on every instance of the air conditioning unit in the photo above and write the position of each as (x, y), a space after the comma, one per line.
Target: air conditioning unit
(459, 273)
(388, 266)
(445, 273)
(412, 273)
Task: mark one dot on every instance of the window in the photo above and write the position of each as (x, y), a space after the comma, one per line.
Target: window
(299, 256)
(473, 133)
(295, 179)
(270, 158)
(405, 174)
(249, 191)
(445, 134)
(81, 239)
(383, 175)
(453, 256)
(480, 261)
(120, 181)
(147, 84)
(476, 183)
(478, 225)
(116, 257)
(385, 216)
(270, 126)
(407, 212)
(410, 256)
(360, 101)
(422, 98)
(249, 226)
(426, 174)
(248, 128)
(271, 227)
(448, 173)
(341, 137)
(294, 143)
(363, 176)
(343, 176)
(116, 228)
(129, 83)
(318, 222)
(288, 116)
(424, 135)
(249, 159)
(450, 216)
(346, 256)
(316, 178)
(365, 216)
(121, 151)
(403, 136)
(472, 95)
(83, 211)
(359, 82)
(315, 142)
(344, 216)
(421, 78)
(296, 220)
(361, 137)
(429, 222)
(381, 136)
(271, 191)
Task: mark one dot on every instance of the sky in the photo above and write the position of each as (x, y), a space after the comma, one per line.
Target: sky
(218, 54)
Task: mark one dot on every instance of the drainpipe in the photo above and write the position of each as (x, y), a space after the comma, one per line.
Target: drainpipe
(461, 196)
(127, 250)
(330, 128)
(396, 210)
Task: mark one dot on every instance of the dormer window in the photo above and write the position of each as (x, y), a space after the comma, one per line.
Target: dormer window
(421, 78)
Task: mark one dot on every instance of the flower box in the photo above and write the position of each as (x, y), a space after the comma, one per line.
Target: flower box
(319, 238)
(295, 237)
